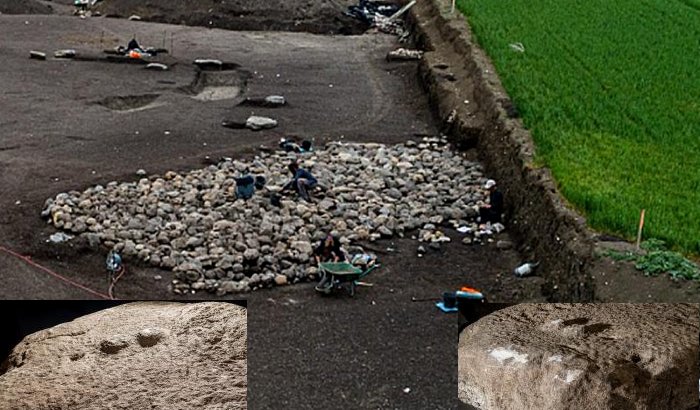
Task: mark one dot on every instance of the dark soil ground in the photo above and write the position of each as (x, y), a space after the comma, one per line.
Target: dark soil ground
(24, 7)
(617, 279)
(59, 135)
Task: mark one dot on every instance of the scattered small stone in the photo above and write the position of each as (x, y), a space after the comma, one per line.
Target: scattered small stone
(404, 54)
(60, 237)
(257, 123)
(464, 229)
(208, 62)
(275, 101)
(156, 67)
(141, 173)
(37, 55)
(64, 54)
(504, 245)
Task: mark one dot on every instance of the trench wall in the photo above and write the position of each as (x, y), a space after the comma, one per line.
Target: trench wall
(455, 70)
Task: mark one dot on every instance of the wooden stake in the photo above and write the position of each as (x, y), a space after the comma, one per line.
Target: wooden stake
(453, 6)
(639, 232)
(402, 10)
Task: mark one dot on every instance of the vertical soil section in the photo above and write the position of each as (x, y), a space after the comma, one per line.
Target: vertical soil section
(465, 91)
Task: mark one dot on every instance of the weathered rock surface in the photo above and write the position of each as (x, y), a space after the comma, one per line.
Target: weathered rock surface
(193, 224)
(143, 355)
(588, 356)
(257, 123)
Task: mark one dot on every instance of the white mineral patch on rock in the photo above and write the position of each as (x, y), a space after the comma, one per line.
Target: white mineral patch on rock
(556, 358)
(507, 355)
(582, 356)
(569, 376)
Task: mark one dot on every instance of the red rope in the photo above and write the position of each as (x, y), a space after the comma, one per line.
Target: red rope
(114, 282)
(29, 261)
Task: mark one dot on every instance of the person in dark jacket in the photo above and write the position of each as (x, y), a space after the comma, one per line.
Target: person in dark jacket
(301, 181)
(328, 251)
(492, 211)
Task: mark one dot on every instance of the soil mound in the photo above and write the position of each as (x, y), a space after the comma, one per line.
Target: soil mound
(321, 17)
(24, 7)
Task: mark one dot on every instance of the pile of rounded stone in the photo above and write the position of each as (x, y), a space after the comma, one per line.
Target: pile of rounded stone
(193, 224)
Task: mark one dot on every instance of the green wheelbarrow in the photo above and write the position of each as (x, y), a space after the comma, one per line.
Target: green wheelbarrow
(342, 276)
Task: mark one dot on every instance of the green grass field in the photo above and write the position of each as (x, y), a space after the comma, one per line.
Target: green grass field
(611, 93)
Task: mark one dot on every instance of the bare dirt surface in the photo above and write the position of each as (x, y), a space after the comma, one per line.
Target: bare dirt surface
(59, 134)
(56, 121)
(57, 137)
(620, 281)
(137, 355)
(363, 352)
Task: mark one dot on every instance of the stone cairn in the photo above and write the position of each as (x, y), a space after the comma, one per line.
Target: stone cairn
(192, 223)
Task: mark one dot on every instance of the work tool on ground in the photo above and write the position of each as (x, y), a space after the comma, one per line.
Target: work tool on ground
(342, 276)
(453, 301)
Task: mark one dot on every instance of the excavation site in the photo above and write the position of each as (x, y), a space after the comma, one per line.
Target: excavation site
(347, 167)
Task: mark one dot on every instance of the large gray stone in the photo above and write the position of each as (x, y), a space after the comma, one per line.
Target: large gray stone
(582, 356)
(134, 356)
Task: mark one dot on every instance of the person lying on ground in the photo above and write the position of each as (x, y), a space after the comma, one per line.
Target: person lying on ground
(492, 211)
(133, 48)
(328, 251)
(301, 181)
(133, 45)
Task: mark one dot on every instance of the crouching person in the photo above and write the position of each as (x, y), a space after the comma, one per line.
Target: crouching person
(301, 182)
(328, 251)
(492, 211)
